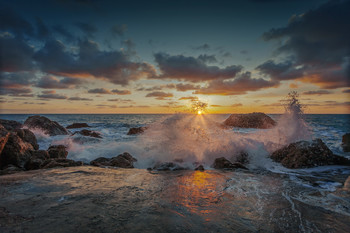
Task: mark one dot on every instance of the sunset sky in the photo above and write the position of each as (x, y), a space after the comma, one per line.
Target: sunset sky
(87, 56)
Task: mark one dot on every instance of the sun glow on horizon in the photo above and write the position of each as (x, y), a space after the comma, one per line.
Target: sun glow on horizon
(199, 112)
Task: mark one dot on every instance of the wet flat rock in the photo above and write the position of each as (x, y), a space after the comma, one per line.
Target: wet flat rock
(93, 199)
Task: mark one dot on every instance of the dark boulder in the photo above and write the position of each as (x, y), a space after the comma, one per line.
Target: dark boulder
(28, 136)
(137, 130)
(4, 136)
(199, 168)
(77, 126)
(167, 166)
(57, 151)
(51, 128)
(16, 152)
(10, 125)
(346, 142)
(124, 160)
(223, 163)
(256, 120)
(37, 160)
(51, 163)
(88, 133)
(305, 154)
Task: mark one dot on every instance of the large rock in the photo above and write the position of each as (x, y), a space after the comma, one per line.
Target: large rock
(57, 152)
(88, 133)
(346, 142)
(137, 130)
(28, 136)
(223, 163)
(16, 151)
(10, 125)
(4, 136)
(304, 154)
(78, 125)
(51, 163)
(51, 128)
(124, 160)
(37, 160)
(256, 120)
(167, 166)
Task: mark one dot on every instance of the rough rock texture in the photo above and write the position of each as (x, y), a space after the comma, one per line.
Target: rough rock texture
(16, 151)
(77, 126)
(4, 136)
(37, 160)
(10, 125)
(199, 168)
(50, 163)
(57, 151)
(223, 163)
(138, 130)
(28, 136)
(167, 166)
(49, 127)
(346, 142)
(124, 160)
(304, 154)
(251, 120)
(88, 133)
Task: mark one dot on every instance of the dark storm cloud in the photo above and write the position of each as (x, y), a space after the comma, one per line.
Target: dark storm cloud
(87, 28)
(15, 55)
(12, 22)
(79, 99)
(207, 58)
(318, 92)
(159, 95)
(119, 29)
(61, 30)
(99, 91)
(186, 87)
(42, 30)
(51, 95)
(24, 92)
(121, 92)
(192, 69)
(238, 86)
(114, 66)
(280, 71)
(52, 82)
(20, 79)
(319, 41)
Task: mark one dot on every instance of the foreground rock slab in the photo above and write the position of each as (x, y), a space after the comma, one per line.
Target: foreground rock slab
(93, 199)
(51, 128)
(305, 154)
(256, 120)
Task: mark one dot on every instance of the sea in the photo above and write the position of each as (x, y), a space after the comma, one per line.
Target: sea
(291, 200)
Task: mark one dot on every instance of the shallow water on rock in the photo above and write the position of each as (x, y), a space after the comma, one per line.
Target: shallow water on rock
(91, 199)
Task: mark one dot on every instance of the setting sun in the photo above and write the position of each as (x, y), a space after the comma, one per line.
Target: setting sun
(199, 112)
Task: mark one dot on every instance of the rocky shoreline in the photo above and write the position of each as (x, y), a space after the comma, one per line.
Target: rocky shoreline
(19, 150)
